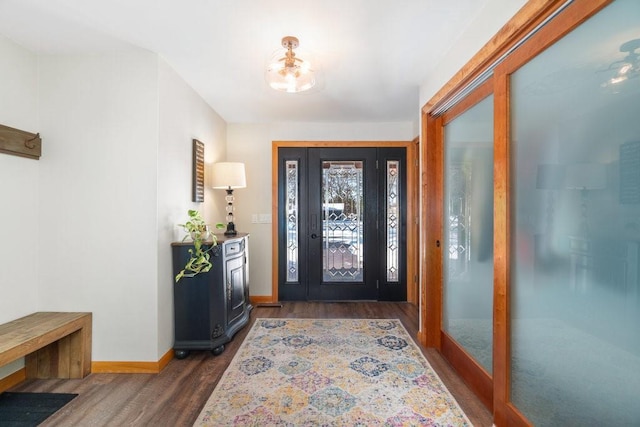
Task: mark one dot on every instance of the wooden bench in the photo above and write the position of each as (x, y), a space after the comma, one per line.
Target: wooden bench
(55, 345)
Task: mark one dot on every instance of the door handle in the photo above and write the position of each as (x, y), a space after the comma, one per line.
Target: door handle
(314, 236)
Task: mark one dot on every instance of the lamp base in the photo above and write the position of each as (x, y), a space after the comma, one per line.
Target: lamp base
(231, 229)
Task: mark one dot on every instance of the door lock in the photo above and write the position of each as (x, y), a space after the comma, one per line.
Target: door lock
(314, 236)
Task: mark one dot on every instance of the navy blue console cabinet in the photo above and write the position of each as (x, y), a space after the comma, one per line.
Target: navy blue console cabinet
(211, 307)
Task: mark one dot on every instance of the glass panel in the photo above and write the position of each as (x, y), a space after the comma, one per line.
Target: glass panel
(575, 307)
(342, 216)
(393, 216)
(293, 219)
(468, 263)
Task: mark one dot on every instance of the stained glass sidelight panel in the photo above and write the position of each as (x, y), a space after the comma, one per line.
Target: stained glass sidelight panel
(393, 223)
(342, 220)
(293, 219)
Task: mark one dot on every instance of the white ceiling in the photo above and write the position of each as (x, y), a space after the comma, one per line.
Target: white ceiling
(374, 54)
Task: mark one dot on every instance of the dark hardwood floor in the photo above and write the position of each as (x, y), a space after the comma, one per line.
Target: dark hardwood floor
(175, 396)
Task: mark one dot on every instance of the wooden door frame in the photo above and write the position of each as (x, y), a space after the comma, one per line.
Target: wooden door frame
(413, 225)
(532, 14)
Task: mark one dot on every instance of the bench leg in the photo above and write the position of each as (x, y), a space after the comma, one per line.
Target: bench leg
(69, 357)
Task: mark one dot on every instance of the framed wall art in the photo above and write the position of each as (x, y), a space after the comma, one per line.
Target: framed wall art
(198, 171)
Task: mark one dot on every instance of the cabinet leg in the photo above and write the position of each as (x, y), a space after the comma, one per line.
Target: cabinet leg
(218, 350)
(181, 354)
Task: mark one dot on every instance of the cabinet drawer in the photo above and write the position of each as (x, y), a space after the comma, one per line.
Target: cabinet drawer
(233, 248)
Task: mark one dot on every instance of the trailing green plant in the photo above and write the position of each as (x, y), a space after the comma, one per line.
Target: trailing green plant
(199, 260)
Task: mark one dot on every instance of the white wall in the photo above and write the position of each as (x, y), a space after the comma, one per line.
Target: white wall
(183, 116)
(18, 189)
(116, 182)
(18, 185)
(98, 219)
(89, 226)
(251, 144)
(489, 20)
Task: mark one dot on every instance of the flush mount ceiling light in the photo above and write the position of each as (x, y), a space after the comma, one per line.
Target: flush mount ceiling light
(287, 72)
(627, 68)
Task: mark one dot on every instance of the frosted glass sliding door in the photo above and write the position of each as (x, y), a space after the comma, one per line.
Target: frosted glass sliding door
(575, 218)
(468, 232)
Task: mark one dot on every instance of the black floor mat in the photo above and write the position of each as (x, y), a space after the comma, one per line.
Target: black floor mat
(30, 409)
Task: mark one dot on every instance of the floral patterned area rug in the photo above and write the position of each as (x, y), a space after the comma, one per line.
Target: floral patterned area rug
(330, 372)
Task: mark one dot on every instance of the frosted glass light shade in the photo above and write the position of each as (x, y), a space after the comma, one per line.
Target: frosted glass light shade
(227, 175)
(290, 79)
(288, 71)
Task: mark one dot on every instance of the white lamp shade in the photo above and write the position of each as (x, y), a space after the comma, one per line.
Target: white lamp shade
(228, 175)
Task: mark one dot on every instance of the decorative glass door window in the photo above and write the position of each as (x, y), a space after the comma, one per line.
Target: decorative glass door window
(342, 217)
(393, 220)
(292, 219)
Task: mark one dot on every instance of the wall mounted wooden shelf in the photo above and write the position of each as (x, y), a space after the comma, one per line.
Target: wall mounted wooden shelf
(20, 143)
